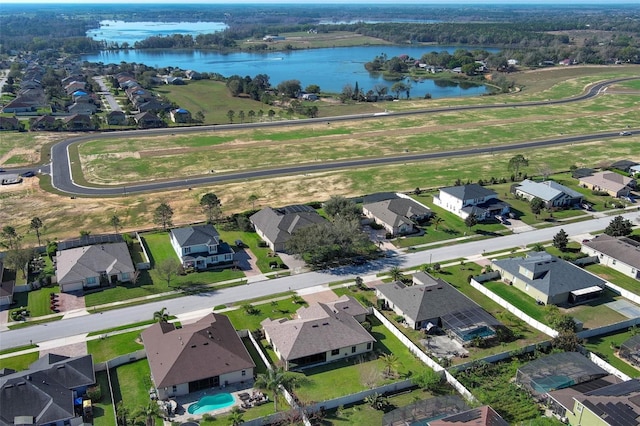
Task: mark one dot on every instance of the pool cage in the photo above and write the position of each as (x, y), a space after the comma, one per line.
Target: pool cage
(426, 409)
(630, 350)
(557, 371)
(470, 323)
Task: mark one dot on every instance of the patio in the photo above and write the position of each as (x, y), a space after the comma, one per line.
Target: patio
(237, 390)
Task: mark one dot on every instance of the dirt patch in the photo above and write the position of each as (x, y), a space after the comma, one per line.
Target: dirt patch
(73, 350)
(320, 297)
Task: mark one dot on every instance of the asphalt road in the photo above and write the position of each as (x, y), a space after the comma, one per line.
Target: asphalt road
(183, 305)
(63, 181)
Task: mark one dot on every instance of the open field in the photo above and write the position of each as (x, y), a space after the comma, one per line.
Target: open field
(305, 40)
(64, 217)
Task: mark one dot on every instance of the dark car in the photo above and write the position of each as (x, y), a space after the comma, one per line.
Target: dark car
(28, 174)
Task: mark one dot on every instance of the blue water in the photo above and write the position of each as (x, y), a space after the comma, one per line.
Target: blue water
(130, 32)
(329, 68)
(211, 402)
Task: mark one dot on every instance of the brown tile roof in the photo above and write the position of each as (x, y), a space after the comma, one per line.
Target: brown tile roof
(318, 328)
(207, 348)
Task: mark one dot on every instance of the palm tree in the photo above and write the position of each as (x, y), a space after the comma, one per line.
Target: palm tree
(122, 414)
(161, 316)
(395, 273)
(271, 381)
(436, 222)
(235, 417)
(36, 224)
(149, 413)
(391, 363)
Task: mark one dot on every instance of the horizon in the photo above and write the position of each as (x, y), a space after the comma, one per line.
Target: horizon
(316, 2)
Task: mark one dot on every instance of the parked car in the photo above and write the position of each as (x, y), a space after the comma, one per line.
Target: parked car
(28, 174)
(625, 133)
(240, 244)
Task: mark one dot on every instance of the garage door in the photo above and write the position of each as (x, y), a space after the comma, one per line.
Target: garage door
(66, 288)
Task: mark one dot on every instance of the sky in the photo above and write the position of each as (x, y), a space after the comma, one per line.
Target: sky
(448, 2)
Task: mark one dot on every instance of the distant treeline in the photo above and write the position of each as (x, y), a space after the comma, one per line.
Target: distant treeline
(528, 33)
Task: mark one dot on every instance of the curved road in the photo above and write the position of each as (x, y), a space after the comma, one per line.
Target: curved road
(62, 178)
(203, 303)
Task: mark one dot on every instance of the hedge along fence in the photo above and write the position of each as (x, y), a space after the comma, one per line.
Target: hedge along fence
(147, 263)
(515, 311)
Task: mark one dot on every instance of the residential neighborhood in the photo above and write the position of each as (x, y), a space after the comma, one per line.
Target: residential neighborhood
(453, 239)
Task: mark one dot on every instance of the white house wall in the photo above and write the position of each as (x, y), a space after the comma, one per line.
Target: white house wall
(611, 262)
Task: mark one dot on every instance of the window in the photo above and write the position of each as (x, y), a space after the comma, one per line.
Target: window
(92, 280)
(125, 276)
(174, 388)
(578, 407)
(353, 349)
(335, 352)
(187, 250)
(244, 372)
(368, 345)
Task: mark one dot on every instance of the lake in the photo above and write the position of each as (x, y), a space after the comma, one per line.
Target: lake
(329, 68)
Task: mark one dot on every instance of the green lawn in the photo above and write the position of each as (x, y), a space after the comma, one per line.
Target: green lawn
(150, 282)
(605, 347)
(252, 239)
(261, 368)
(279, 309)
(114, 346)
(349, 376)
(518, 299)
(19, 362)
(615, 277)
(103, 410)
(131, 383)
(38, 302)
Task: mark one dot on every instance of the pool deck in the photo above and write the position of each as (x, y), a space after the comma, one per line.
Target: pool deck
(186, 400)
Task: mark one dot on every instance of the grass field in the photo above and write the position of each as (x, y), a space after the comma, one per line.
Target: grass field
(114, 346)
(19, 362)
(103, 410)
(131, 383)
(38, 302)
(62, 218)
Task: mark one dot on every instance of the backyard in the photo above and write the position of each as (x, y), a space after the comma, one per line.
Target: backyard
(606, 347)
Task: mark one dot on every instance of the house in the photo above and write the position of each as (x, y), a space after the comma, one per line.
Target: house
(612, 183)
(92, 266)
(180, 115)
(552, 193)
(47, 392)
(472, 199)
(44, 122)
(20, 104)
(151, 105)
(77, 122)
(10, 123)
(200, 247)
(614, 405)
(75, 86)
(320, 333)
(309, 97)
(116, 118)
(193, 75)
(6, 289)
(561, 401)
(432, 302)
(80, 95)
(623, 165)
(582, 172)
(173, 80)
(397, 213)
(619, 253)
(424, 411)
(84, 108)
(275, 226)
(548, 279)
(147, 120)
(202, 355)
(481, 416)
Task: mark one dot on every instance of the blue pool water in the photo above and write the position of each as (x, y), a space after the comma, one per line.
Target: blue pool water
(211, 402)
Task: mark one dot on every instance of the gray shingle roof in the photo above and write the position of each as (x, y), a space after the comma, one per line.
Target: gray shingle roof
(549, 274)
(196, 235)
(45, 391)
(207, 348)
(278, 224)
(396, 211)
(468, 192)
(82, 262)
(623, 249)
(431, 298)
(547, 190)
(318, 328)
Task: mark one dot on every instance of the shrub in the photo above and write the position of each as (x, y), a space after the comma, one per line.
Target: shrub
(94, 393)
(398, 318)
(262, 244)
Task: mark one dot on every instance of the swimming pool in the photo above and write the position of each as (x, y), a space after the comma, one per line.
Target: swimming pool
(211, 402)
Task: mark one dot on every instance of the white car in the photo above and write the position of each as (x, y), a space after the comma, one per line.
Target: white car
(625, 133)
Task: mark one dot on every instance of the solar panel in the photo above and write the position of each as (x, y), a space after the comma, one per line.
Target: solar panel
(90, 240)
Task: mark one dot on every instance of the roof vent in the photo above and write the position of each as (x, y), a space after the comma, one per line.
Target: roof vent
(24, 383)
(325, 323)
(193, 346)
(315, 326)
